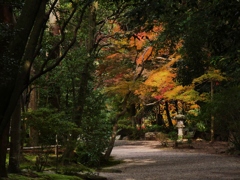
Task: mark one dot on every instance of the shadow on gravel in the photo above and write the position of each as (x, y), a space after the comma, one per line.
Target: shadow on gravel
(148, 160)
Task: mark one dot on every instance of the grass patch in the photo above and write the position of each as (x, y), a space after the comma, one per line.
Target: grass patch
(54, 171)
(42, 176)
(111, 162)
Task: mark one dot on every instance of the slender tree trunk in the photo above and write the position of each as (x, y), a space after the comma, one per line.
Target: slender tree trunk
(84, 82)
(111, 142)
(115, 127)
(176, 105)
(133, 113)
(24, 107)
(168, 114)
(70, 144)
(15, 134)
(82, 94)
(159, 117)
(87, 68)
(3, 151)
(114, 130)
(212, 117)
(33, 134)
(55, 90)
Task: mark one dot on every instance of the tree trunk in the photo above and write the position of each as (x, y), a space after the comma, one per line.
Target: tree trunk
(176, 106)
(15, 63)
(212, 117)
(33, 134)
(115, 129)
(9, 68)
(3, 150)
(111, 142)
(87, 68)
(133, 118)
(12, 85)
(168, 114)
(159, 120)
(159, 117)
(6, 17)
(82, 94)
(85, 78)
(15, 134)
(55, 90)
(24, 107)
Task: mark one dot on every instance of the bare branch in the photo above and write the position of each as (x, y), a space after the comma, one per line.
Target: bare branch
(153, 103)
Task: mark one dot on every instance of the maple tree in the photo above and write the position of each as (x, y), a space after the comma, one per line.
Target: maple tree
(208, 32)
(123, 71)
(156, 78)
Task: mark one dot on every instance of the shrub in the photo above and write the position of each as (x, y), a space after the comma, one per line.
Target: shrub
(49, 123)
(95, 131)
(225, 108)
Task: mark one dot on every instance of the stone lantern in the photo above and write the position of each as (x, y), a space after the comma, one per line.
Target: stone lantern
(180, 125)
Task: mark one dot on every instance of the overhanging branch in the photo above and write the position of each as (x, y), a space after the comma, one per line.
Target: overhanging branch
(44, 69)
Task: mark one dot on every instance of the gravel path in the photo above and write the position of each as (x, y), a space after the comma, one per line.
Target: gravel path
(145, 160)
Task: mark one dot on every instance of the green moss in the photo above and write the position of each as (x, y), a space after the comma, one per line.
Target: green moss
(42, 176)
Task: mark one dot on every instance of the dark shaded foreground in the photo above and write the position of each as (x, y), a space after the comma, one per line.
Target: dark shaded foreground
(146, 160)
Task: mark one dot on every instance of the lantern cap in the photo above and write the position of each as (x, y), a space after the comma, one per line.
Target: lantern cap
(180, 117)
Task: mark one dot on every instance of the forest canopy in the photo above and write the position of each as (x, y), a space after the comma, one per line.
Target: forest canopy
(103, 67)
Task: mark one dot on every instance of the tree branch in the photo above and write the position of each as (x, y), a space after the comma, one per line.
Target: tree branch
(72, 42)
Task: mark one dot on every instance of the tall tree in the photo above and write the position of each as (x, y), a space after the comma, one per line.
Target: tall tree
(8, 21)
(87, 69)
(15, 143)
(23, 46)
